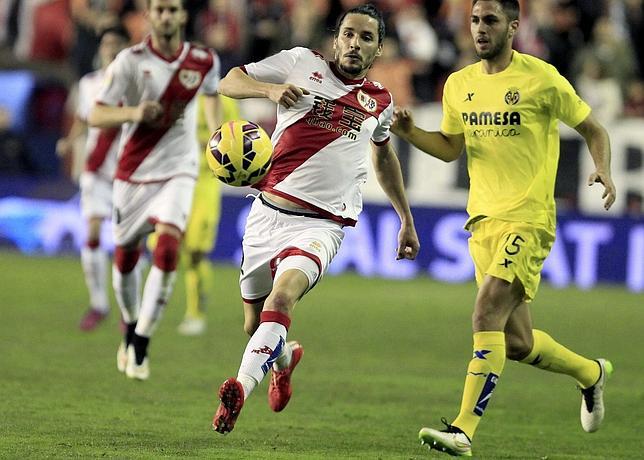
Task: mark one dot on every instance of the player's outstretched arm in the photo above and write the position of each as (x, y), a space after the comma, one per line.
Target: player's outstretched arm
(389, 175)
(237, 84)
(106, 116)
(435, 143)
(598, 143)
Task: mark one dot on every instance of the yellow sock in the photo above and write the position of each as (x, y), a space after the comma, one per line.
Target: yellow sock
(482, 374)
(192, 293)
(551, 356)
(205, 281)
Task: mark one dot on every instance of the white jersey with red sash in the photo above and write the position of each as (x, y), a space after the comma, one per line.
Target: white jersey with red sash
(169, 148)
(321, 145)
(101, 145)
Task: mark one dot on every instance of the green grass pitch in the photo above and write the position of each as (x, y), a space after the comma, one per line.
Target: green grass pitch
(382, 359)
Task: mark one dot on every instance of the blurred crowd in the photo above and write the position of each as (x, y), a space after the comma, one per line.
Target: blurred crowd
(596, 44)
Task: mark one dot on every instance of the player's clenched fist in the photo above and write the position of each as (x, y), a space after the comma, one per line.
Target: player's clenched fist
(403, 122)
(286, 95)
(148, 112)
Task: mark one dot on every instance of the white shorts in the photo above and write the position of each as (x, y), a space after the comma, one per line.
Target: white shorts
(138, 207)
(274, 241)
(96, 195)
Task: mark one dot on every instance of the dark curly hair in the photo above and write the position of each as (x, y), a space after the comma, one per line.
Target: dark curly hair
(368, 10)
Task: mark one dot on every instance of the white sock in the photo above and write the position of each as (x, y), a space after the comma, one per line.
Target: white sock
(157, 290)
(283, 361)
(262, 350)
(248, 383)
(94, 262)
(127, 293)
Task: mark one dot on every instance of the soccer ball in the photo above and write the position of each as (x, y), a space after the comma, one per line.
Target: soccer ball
(239, 153)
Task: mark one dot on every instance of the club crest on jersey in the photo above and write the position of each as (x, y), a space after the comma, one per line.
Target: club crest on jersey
(513, 96)
(190, 79)
(367, 102)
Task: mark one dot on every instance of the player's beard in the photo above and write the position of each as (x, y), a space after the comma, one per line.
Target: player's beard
(492, 52)
(353, 70)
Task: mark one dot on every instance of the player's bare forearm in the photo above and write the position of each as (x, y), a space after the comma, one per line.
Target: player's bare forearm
(64, 146)
(598, 142)
(238, 85)
(212, 112)
(389, 176)
(105, 116)
(78, 128)
(435, 143)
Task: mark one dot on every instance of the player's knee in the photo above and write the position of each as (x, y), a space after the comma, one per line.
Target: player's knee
(195, 258)
(166, 252)
(483, 320)
(125, 258)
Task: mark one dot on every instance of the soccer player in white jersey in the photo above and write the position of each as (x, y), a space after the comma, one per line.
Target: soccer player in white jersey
(96, 179)
(157, 80)
(328, 114)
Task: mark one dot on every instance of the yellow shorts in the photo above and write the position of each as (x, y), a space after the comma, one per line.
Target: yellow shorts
(204, 218)
(509, 250)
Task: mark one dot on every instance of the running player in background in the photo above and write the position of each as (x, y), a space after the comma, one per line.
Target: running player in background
(328, 114)
(505, 110)
(201, 233)
(96, 179)
(158, 81)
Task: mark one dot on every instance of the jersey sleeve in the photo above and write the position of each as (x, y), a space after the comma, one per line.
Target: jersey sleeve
(380, 135)
(83, 104)
(275, 68)
(451, 122)
(566, 104)
(118, 77)
(211, 80)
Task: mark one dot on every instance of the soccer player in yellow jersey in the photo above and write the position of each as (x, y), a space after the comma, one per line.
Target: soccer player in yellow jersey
(202, 228)
(505, 111)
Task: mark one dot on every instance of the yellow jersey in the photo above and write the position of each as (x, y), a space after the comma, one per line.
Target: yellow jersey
(510, 121)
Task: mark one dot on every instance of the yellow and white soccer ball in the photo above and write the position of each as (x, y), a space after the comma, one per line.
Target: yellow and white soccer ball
(239, 153)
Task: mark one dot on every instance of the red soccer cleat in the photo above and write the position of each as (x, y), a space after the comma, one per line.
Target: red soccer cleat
(231, 394)
(279, 391)
(92, 319)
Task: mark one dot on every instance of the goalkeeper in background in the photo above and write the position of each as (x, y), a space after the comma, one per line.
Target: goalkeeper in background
(202, 228)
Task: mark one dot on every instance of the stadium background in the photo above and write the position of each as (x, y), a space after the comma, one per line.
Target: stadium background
(46, 45)
(385, 342)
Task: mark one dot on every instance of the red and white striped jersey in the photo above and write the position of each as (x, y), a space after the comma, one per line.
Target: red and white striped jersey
(150, 153)
(321, 145)
(102, 144)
